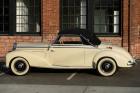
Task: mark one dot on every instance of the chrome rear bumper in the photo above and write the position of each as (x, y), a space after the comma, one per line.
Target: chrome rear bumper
(131, 63)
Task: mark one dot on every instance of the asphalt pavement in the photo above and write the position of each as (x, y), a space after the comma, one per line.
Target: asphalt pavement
(70, 81)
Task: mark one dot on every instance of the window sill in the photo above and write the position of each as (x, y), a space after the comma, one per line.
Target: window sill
(26, 34)
(21, 34)
(108, 35)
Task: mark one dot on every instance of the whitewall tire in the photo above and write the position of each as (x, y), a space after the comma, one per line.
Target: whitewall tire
(106, 67)
(19, 66)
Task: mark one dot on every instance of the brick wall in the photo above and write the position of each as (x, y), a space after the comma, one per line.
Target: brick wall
(135, 28)
(6, 42)
(51, 23)
(50, 19)
(125, 24)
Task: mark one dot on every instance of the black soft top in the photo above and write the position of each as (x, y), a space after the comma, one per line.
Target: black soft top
(85, 33)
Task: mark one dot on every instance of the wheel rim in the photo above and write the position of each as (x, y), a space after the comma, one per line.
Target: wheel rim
(107, 66)
(20, 66)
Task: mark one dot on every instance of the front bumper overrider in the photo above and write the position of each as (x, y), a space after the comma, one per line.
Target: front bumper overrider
(132, 63)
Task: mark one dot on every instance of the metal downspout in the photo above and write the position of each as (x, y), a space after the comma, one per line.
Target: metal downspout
(129, 26)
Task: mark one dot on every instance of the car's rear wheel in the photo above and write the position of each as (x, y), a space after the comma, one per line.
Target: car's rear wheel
(106, 67)
(19, 66)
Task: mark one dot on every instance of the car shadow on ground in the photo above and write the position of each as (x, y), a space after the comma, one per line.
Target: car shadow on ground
(3, 68)
(45, 70)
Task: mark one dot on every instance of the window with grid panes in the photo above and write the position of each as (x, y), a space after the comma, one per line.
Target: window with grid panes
(106, 16)
(28, 16)
(4, 16)
(20, 17)
(99, 16)
(73, 14)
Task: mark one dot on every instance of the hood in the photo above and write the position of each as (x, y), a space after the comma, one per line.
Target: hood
(30, 45)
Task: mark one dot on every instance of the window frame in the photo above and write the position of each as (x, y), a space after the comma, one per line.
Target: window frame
(5, 32)
(72, 36)
(105, 34)
(12, 22)
(90, 17)
(60, 11)
(29, 33)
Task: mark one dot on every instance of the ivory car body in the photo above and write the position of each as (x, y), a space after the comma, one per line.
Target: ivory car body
(72, 49)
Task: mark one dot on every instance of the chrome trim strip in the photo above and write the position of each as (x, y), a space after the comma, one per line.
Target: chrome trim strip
(89, 47)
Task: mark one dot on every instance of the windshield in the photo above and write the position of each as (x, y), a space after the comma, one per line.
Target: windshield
(68, 39)
(72, 39)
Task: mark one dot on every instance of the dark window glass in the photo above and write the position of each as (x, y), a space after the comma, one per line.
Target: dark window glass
(106, 16)
(4, 16)
(28, 16)
(73, 14)
(103, 15)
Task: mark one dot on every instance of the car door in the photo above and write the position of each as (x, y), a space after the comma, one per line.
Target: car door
(67, 54)
(90, 53)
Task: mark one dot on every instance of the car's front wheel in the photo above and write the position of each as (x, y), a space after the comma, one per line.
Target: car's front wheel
(106, 67)
(19, 66)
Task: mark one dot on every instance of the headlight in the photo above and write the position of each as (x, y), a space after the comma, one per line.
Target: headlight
(14, 46)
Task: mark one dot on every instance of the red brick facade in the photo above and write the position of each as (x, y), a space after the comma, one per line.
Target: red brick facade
(50, 22)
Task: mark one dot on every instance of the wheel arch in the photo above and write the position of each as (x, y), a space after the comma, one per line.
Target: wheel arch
(97, 62)
(33, 59)
(13, 55)
(119, 59)
(107, 57)
(18, 57)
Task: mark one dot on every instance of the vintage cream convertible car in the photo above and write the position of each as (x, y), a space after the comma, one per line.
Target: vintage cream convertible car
(72, 49)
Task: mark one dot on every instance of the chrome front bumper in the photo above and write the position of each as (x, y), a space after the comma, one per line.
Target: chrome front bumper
(131, 63)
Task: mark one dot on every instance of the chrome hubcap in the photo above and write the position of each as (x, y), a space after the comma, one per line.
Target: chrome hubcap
(20, 66)
(107, 66)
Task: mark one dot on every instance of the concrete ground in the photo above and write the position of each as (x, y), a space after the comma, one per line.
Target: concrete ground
(65, 89)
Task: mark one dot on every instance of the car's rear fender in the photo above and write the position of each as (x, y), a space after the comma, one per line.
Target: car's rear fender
(120, 59)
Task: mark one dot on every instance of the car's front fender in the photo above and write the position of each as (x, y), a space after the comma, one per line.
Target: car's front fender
(35, 59)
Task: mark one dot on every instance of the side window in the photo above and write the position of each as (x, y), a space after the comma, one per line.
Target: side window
(70, 40)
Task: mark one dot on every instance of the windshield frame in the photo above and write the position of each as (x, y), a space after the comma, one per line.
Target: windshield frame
(54, 42)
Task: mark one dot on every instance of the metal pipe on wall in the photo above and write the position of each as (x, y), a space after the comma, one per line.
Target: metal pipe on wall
(129, 25)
